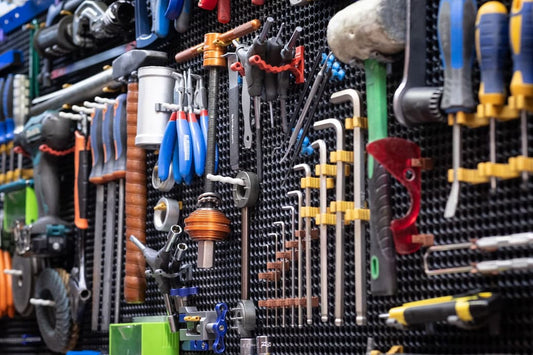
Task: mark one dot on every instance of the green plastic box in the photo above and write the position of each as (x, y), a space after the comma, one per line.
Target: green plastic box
(143, 339)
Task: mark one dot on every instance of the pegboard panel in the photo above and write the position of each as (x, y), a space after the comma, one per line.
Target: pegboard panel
(480, 213)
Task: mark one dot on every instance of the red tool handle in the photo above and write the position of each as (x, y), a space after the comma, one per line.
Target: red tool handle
(207, 4)
(136, 195)
(224, 11)
(82, 167)
(258, 2)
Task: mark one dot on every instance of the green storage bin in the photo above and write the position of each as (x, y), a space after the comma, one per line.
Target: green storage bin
(143, 339)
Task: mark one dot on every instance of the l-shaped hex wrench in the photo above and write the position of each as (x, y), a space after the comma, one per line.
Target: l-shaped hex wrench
(299, 194)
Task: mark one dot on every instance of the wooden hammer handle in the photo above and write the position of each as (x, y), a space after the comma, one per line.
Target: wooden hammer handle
(135, 280)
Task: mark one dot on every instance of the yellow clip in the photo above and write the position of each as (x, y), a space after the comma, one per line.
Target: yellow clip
(467, 119)
(27, 174)
(341, 206)
(470, 176)
(2, 179)
(501, 113)
(330, 170)
(191, 318)
(325, 218)
(521, 163)
(310, 182)
(359, 214)
(9, 176)
(356, 122)
(341, 155)
(521, 102)
(501, 171)
(309, 211)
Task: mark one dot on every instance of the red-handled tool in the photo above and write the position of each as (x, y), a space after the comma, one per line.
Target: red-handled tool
(401, 158)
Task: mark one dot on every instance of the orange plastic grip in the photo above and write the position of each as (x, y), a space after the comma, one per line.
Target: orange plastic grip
(135, 280)
(81, 166)
(10, 303)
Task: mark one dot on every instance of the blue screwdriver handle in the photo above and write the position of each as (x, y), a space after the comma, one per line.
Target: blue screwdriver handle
(174, 9)
(166, 150)
(198, 144)
(521, 35)
(185, 147)
(456, 20)
(492, 48)
(8, 108)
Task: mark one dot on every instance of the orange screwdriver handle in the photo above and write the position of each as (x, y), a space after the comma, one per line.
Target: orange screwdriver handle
(136, 195)
(81, 183)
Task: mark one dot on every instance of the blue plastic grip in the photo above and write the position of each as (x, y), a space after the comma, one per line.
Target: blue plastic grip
(143, 34)
(9, 129)
(185, 147)
(166, 150)
(160, 24)
(174, 9)
(521, 25)
(198, 144)
(493, 50)
(8, 91)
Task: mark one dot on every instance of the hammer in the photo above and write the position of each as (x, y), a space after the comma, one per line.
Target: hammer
(373, 31)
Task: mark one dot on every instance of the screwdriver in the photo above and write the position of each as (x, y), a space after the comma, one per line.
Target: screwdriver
(472, 309)
(492, 47)
(521, 36)
(456, 42)
(272, 57)
(287, 54)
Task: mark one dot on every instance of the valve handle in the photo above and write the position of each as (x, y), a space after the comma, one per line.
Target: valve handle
(220, 328)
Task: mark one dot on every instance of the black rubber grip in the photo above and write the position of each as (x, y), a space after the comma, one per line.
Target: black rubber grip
(383, 257)
(430, 313)
(254, 76)
(273, 57)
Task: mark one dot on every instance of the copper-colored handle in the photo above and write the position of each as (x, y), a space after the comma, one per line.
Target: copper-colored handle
(189, 53)
(135, 280)
(240, 31)
(223, 38)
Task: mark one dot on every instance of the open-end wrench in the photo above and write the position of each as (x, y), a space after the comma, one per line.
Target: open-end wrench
(233, 105)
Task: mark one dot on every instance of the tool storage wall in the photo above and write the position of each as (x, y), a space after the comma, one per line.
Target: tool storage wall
(480, 213)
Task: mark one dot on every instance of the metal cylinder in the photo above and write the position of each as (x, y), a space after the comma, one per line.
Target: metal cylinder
(263, 345)
(247, 346)
(166, 217)
(156, 85)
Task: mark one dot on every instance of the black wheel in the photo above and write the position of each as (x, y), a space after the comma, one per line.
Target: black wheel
(55, 323)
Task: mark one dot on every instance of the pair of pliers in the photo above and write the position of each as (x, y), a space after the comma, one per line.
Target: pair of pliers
(198, 132)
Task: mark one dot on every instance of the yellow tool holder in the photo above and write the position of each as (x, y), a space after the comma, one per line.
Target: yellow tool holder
(485, 170)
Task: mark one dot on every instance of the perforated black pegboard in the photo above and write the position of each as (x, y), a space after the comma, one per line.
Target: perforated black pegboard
(480, 214)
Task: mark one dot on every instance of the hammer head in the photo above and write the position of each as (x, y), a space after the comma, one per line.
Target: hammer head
(368, 29)
(130, 61)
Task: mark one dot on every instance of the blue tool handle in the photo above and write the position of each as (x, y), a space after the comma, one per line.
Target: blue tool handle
(176, 163)
(120, 136)
(109, 146)
(456, 19)
(492, 49)
(198, 144)
(166, 150)
(10, 129)
(160, 24)
(204, 123)
(2, 82)
(174, 9)
(521, 35)
(182, 23)
(185, 146)
(3, 139)
(7, 97)
(97, 148)
(143, 33)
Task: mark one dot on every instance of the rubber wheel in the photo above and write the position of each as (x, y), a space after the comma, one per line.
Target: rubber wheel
(22, 286)
(55, 323)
